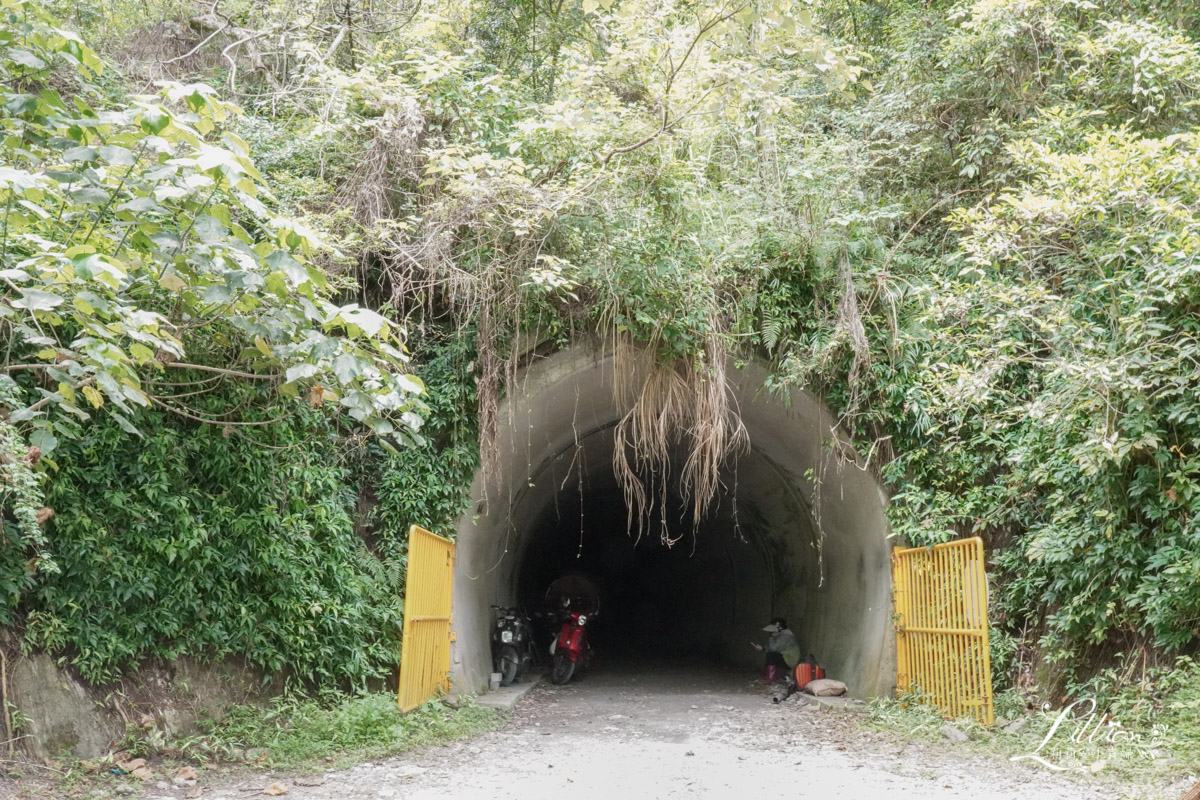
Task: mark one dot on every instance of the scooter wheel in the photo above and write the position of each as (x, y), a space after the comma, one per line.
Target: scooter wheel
(562, 669)
(507, 662)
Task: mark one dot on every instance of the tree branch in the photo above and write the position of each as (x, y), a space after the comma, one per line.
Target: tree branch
(198, 47)
(223, 371)
(667, 123)
(220, 422)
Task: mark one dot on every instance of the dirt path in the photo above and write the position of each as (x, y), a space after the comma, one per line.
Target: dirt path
(638, 734)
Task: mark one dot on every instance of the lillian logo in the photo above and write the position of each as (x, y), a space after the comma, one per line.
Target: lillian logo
(1078, 726)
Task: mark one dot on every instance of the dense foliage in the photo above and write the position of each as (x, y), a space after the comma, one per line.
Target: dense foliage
(134, 238)
(193, 541)
(264, 540)
(970, 225)
(1044, 374)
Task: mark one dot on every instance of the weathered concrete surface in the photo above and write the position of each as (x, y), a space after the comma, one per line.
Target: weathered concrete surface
(62, 715)
(506, 697)
(799, 530)
(198, 689)
(59, 713)
(835, 703)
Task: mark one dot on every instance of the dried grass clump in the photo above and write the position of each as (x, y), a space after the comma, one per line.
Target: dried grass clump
(850, 320)
(393, 153)
(164, 51)
(463, 259)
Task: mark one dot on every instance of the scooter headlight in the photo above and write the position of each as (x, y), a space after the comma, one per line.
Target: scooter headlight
(583, 619)
(506, 636)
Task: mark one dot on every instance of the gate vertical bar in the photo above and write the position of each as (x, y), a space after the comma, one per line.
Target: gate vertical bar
(900, 602)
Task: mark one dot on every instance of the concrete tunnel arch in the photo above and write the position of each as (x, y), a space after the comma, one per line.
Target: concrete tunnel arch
(553, 505)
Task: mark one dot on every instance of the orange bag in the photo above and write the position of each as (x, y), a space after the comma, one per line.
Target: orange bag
(807, 671)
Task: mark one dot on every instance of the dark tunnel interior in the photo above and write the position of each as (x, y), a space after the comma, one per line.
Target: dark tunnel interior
(669, 588)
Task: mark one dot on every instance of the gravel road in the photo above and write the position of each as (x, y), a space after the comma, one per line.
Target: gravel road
(637, 733)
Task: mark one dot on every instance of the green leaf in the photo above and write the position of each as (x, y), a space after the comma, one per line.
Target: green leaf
(410, 383)
(118, 156)
(125, 424)
(213, 157)
(17, 179)
(364, 318)
(141, 353)
(140, 205)
(281, 260)
(81, 154)
(19, 104)
(53, 98)
(172, 282)
(37, 300)
(300, 371)
(217, 294)
(381, 427)
(277, 284)
(91, 196)
(44, 440)
(346, 368)
(154, 120)
(19, 55)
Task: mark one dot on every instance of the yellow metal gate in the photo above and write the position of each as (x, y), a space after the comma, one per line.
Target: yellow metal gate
(425, 648)
(942, 628)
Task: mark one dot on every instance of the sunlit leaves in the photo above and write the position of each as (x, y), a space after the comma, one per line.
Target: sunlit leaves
(134, 239)
(1063, 363)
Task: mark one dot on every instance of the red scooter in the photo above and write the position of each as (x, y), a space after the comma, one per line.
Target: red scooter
(570, 651)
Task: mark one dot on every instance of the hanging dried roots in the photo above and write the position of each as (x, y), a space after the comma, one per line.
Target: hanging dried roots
(683, 406)
(394, 151)
(459, 260)
(850, 320)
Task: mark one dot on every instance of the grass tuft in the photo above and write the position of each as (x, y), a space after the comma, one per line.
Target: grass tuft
(300, 733)
(1159, 719)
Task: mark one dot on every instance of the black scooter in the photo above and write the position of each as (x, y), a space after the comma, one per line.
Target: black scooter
(512, 644)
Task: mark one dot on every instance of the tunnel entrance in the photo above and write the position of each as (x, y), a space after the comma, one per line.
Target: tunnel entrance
(796, 531)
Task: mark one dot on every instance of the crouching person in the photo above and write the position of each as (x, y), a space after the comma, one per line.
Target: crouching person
(782, 651)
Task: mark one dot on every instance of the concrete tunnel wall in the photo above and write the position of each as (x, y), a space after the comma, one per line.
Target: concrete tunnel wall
(762, 553)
